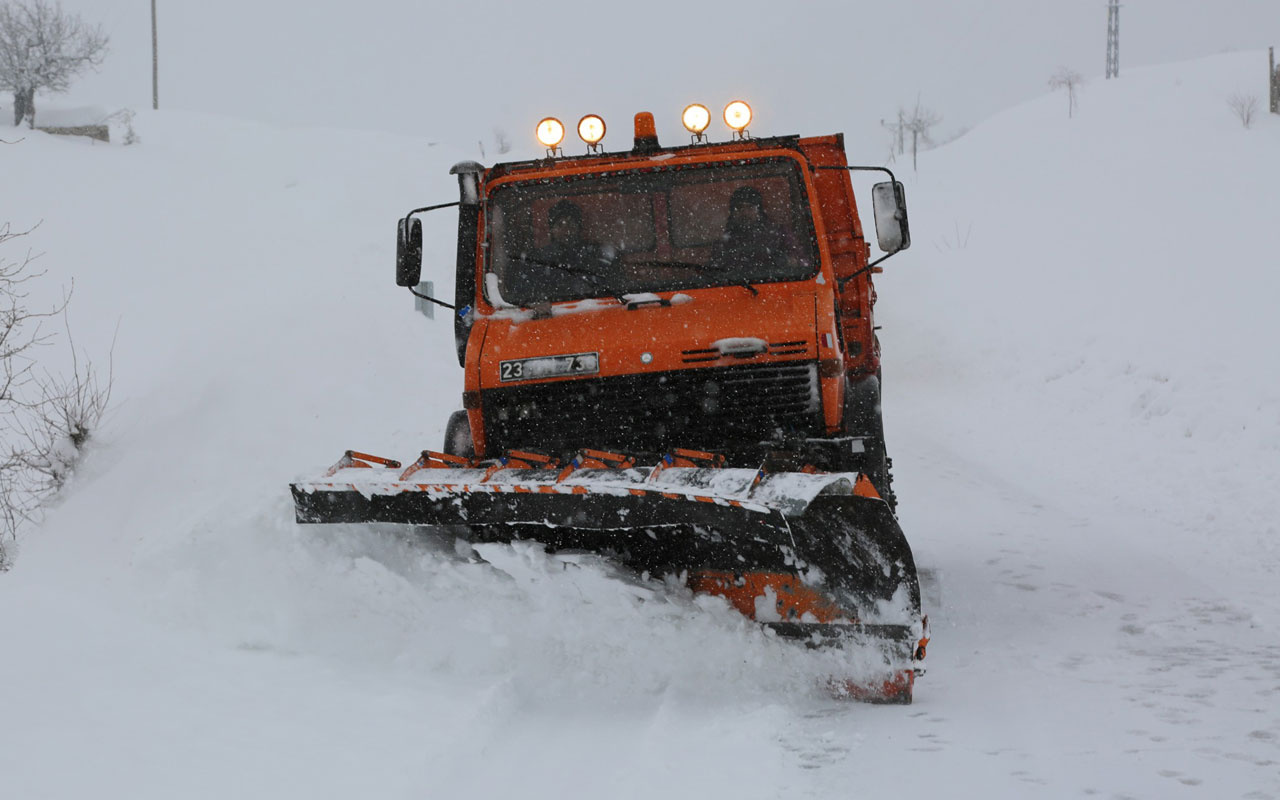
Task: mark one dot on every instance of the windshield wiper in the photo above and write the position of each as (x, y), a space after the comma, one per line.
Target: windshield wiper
(641, 301)
(700, 267)
(676, 264)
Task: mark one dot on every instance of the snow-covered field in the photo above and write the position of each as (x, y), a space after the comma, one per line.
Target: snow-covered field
(1082, 398)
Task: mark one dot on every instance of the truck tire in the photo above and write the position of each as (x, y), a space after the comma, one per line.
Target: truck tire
(457, 436)
(863, 418)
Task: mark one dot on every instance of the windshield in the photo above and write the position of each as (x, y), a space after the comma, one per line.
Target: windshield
(651, 229)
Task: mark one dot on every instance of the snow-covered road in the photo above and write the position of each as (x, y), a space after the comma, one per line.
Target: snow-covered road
(1072, 656)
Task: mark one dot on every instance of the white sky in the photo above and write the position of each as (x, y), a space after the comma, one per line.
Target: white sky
(455, 71)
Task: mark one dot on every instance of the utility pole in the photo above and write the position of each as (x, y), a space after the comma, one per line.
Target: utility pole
(1113, 39)
(1274, 74)
(155, 61)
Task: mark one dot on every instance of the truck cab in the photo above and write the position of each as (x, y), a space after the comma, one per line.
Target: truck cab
(712, 297)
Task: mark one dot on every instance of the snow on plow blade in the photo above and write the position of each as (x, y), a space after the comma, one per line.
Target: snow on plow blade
(814, 556)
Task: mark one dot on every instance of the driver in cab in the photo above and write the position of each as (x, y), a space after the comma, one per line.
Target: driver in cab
(570, 264)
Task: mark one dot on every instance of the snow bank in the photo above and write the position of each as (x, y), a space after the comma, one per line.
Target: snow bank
(1090, 302)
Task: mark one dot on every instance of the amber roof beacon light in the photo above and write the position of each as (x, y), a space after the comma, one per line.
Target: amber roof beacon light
(646, 133)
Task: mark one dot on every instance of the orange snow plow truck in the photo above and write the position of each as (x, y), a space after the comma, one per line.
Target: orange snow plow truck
(670, 360)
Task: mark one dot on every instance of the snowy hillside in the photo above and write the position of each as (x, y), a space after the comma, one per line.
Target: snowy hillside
(1095, 298)
(1082, 400)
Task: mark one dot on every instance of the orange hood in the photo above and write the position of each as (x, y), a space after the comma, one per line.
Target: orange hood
(721, 326)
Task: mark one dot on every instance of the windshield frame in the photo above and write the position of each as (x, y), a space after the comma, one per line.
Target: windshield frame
(808, 227)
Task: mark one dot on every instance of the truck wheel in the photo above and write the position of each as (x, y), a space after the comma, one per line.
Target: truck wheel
(862, 417)
(457, 436)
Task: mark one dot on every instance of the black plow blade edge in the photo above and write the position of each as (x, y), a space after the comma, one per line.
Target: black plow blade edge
(850, 546)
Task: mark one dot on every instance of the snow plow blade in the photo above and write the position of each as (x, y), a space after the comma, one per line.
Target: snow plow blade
(817, 557)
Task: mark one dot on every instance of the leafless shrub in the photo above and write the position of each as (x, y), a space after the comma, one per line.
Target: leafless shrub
(54, 428)
(20, 328)
(48, 417)
(123, 120)
(1069, 79)
(1245, 107)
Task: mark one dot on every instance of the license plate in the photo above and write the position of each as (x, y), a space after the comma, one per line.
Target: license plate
(532, 369)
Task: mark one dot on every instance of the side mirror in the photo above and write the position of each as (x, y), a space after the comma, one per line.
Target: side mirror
(889, 205)
(408, 251)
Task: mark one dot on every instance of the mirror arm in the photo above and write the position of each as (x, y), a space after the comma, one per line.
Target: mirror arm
(882, 258)
(416, 293)
(865, 269)
(425, 209)
(405, 222)
(885, 170)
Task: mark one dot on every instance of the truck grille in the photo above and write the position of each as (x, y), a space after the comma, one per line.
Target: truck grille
(704, 408)
(775, 349)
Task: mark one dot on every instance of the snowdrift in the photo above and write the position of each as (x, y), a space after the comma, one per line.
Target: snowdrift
(1091, 304)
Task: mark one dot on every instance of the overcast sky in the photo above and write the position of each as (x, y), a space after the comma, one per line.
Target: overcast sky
(452, 72)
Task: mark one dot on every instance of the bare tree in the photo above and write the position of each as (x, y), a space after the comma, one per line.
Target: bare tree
(47, 418)
(43, 48)
(918, 122)
(1069, 79)
(1244, 106)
